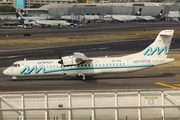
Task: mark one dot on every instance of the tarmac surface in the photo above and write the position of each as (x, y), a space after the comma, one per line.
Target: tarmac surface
(153, 78)
(91, 28)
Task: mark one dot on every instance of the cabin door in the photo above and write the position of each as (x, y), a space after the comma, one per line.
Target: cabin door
(129, 65)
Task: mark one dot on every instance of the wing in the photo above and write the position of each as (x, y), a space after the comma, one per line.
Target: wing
(146, 18)
(43, 23)
(118, 19)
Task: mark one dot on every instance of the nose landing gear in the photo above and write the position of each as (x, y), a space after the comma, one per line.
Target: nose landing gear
(14, 78)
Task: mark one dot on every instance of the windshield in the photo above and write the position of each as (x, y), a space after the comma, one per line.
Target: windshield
(15, 65)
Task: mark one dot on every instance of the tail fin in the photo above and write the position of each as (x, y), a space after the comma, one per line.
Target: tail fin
(19, 17)
(138, 13)
(23, 13)
(160, 14)
(160, 47)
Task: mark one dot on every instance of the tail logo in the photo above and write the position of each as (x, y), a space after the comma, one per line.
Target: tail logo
(150, 51)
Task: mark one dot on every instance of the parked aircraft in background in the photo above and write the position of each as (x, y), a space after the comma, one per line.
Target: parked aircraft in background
(28, 22)
(151, 18)
(49, 23)
(79, 65)
(173, 16)
(123, 18)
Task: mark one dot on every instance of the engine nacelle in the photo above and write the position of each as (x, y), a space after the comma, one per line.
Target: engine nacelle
(69, 60)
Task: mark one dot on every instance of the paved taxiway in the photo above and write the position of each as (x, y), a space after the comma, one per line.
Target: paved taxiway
(92, 28)
(146, 79)
(153, 78)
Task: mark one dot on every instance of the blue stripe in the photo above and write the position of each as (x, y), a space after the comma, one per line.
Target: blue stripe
(97, 67)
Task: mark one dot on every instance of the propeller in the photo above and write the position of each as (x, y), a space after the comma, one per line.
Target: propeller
(61, 61)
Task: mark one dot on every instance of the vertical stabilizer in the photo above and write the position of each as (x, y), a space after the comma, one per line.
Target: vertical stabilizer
(159, 15)
(19, 17)
(138, 13)
(159, 48)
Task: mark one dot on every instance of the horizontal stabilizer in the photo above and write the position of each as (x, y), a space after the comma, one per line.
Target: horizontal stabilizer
(166, 33)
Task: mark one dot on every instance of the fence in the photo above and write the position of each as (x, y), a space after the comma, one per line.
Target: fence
(91, 105)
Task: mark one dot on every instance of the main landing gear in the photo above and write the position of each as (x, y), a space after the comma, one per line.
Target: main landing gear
(14, 78)
(82, 76)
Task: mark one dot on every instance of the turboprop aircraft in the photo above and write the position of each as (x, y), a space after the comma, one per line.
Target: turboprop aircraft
(79, 65)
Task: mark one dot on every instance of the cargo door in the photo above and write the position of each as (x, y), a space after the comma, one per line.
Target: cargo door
(129, 65)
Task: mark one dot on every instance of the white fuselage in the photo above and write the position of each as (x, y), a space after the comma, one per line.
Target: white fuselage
(94, 67)
(53, 22)
(122, 18)
(146, 17)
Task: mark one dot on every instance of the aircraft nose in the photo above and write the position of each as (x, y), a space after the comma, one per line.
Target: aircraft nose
(5, 72)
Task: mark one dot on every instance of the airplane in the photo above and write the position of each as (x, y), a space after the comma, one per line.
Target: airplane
(173, 16)
(150, 18)
(123, 18)
(30, 21)
(80, 66)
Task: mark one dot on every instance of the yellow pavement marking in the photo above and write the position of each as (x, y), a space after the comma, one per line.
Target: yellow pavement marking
(177, 75)
(166, 85)
(177, 85)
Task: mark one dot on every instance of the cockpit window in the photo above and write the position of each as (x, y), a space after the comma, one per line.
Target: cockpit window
(12, 65)
(15, 65)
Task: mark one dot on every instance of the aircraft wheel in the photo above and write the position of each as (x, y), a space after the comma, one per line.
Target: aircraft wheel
(82, 76)
(14, 78)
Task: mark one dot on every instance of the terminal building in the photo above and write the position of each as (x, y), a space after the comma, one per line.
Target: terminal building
(29, 3)
(58, 8)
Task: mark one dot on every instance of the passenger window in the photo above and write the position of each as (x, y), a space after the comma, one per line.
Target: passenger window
(15, 65)
(109, 64)
(81, 65)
